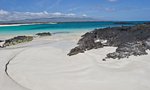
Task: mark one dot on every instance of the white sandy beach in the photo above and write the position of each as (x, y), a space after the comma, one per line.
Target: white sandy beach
(5, 25)
(43, 64)
(13, 25)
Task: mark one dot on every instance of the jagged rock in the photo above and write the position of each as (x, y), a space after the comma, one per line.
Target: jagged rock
(147, 43)
(128, 49)
(89, 43)
(130, 40)
(86, 44)
(17, 40)
(75, 51)
(44, 34)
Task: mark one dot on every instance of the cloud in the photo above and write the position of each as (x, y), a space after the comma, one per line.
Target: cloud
(61, 14)
(5, 15)
(2, 12)
(57, 14)
(71, 14)
(84, 15)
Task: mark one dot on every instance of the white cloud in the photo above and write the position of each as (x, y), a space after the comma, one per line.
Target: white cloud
(62, 14)
(5, 15)
(57, 14)
(71, 14)
(2, 12)
(84, 15)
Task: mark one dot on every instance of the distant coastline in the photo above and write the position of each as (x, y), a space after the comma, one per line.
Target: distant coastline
(28, 23)
(17, 23)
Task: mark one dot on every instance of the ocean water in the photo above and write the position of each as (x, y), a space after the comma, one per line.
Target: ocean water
(59, 27)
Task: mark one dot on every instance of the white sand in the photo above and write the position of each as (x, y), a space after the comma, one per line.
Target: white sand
(2, 43)
(44, 65)
(13, 25)
(5, 25)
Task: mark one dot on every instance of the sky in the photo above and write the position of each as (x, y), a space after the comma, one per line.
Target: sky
(123, 10)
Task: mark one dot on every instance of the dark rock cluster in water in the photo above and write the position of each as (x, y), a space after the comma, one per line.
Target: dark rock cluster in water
(61, 32)
(129, 40)
(17, 40)
(44, 34)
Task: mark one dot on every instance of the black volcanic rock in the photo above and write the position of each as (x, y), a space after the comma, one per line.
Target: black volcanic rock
(44, 34)
(17, 40)
(147, 43)
(127, 49)
(76, 50)
(129, 40)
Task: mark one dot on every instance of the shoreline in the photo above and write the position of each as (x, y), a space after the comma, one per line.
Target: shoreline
(7, 36)
(43, 64)
(14, 25)
(20, 24)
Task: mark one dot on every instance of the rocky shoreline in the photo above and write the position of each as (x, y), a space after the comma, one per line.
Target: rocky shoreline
(16, 40)
(21, 39)
(129, 40)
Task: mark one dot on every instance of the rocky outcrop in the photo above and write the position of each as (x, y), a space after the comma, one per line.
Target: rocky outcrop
(44, 34)
(147, 43)
(76, 50)
(61, 32)
(127, 49)
(17, 40)
(129, 40)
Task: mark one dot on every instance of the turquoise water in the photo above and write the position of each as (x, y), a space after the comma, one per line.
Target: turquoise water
(60, 27)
